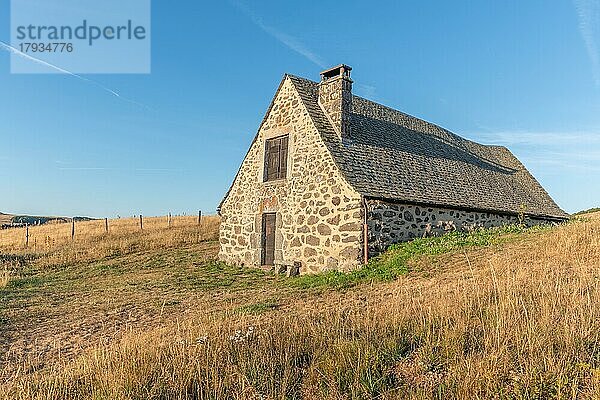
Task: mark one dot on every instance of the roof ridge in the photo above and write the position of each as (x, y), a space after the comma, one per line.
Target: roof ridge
(405, 114)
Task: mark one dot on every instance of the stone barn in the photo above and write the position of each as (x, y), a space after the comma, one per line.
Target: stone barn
(332, 179)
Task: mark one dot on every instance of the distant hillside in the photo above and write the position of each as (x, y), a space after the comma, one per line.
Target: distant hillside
(7, 220)
(588, 211)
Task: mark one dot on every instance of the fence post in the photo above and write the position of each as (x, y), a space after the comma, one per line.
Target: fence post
(26, 235)
(106, 224)
(169, 220)
(73, 229)
(199, 217)
(141, 222)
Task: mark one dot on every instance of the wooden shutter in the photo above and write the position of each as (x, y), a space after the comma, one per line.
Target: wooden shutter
(271, 159)
(283, 152)
(276, 151)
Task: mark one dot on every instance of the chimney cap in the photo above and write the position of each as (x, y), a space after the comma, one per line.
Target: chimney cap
(342, 70)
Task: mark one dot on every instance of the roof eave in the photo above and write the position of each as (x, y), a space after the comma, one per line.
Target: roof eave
(475, 209)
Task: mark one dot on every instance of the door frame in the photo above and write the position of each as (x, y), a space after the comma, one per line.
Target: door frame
(263, 241)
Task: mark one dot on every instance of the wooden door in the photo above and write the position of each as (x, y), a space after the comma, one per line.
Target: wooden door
(268, 239)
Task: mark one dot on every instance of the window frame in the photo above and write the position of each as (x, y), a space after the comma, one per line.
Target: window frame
(281, 154)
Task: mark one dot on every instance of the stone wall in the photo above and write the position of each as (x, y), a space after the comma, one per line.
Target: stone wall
(390, 223)
(319, 221)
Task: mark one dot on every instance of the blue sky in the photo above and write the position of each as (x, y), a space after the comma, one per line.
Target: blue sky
(522, 74)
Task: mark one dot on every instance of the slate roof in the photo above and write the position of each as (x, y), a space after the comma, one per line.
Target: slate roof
(394, 156)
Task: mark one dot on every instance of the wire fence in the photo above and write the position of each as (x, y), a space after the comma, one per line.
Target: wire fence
(60, 232)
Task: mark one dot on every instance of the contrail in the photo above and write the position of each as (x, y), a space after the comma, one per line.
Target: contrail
(119, 169)
(15, 51)
(588, 11)
(287, 40)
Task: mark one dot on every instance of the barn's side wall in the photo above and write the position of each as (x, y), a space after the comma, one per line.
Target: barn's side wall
(390, 223)
(319, 216)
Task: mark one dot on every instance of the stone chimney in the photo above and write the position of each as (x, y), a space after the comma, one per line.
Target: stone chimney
(335, 96)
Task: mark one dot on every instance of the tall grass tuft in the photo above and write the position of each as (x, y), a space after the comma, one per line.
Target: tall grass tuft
(4, 278)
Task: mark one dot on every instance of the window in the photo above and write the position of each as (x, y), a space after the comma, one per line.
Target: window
(276, 151)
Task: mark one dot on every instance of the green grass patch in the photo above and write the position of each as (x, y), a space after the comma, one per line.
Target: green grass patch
(215, 275)
(28, 282)
(104, 267)
(16, 260)
(394, 262)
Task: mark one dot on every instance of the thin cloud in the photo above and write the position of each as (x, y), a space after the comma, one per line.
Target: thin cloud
(538, 138)
(366, 91)
(587, 156)
(575, 151)
(86, 169)
(19, 53)
(157, 170)
(119, 169)
(588, 12)
(288, 40)
(564, 161)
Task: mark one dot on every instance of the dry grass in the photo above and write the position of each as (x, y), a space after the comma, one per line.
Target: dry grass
(65, 296)
(53, 242)
(517, 321)
(5, 218)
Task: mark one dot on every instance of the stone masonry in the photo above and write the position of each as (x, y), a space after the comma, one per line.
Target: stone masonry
(319, 216)
(390, 223)
(335, 96)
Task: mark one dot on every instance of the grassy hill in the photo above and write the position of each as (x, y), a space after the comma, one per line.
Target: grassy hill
(131, 314)
(589, 211)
